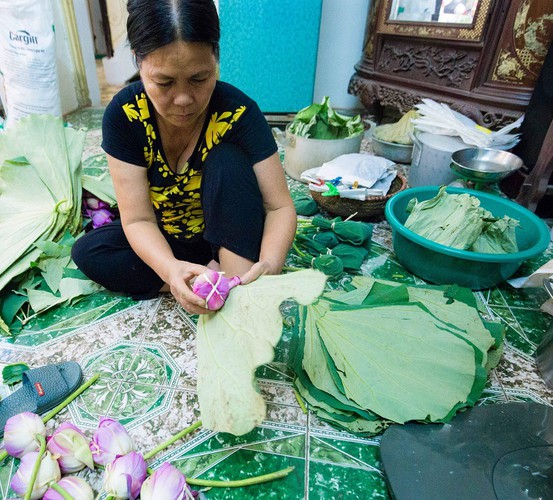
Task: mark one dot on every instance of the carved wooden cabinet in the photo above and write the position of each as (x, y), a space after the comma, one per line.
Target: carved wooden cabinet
(483, 63)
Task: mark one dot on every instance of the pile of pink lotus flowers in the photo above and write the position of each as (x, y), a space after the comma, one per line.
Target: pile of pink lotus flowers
(47, 462)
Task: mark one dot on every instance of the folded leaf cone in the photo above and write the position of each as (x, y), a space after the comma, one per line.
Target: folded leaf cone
(351, 256)
(353, 232)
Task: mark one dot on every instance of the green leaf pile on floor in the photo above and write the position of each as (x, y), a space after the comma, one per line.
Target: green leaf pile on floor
(40, 214)
(40, 189)
(383, 352)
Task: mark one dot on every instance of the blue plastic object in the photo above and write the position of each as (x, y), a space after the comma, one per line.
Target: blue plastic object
(445, 265)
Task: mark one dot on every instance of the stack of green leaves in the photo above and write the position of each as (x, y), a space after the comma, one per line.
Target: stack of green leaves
(41, 185)
(40, 189)
(332, 246)
(381, 352)
(320, 121)
(458, 221)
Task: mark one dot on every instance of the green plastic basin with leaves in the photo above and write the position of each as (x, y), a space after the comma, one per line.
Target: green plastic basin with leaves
(440, 264)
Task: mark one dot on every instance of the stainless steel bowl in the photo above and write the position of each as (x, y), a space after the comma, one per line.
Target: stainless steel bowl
(484, 165)
(398, 153)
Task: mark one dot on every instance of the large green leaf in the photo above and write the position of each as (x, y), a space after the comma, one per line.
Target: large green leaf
(398, 361)
(100, 186)
(461, 315)
(69, 290)
(234, 341)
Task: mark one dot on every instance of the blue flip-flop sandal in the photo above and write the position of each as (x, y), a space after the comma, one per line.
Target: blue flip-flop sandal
(42, 389)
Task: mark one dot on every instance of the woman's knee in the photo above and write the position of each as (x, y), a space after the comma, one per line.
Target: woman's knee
(81, 250)
(93, 252)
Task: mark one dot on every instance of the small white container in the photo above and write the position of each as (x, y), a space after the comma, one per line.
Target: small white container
(431, 161)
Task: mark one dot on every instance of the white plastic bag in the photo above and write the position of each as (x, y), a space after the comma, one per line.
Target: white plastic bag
(28, 59)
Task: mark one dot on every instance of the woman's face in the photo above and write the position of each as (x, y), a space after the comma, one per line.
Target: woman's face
(179, 79)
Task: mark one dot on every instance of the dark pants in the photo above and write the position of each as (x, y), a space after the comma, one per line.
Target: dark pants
(234, 219)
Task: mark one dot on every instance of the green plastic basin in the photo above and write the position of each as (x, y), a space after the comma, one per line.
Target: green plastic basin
(440, 264)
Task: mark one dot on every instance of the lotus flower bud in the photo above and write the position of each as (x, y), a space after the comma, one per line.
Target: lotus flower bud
(214, 288)
(71, 446)
(168, 483)
(48, 472)
(78, 488)
(100, 217)
(93, 203)
(109, 440)
(20, 432)
(124, 476)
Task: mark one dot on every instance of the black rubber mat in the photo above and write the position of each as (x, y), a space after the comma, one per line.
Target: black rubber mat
(491, 452)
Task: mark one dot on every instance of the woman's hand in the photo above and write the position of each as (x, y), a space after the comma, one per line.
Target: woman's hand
(257, 270)
(180, 283)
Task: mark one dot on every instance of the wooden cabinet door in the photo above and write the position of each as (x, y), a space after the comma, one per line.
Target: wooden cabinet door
(525, 39)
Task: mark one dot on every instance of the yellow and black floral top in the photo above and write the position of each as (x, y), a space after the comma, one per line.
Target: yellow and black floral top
(130, 134)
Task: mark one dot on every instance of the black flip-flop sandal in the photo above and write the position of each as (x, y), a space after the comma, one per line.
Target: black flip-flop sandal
(42, 389)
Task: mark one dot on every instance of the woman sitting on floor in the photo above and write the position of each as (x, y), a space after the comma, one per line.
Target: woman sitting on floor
(195, 167)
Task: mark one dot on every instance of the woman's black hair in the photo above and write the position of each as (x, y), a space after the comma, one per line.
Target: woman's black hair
(154, 23)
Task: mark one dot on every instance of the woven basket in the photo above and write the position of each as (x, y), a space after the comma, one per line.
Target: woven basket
(363, 209)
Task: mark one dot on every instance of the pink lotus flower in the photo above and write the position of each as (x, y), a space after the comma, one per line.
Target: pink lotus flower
(78, 488)
(20, 432)
(98, 211)
(109, 440)
(168, 483)
(90, 202)
(48, 472)
(214, 288)
(100, 217)
(124, 476)
(71, 447)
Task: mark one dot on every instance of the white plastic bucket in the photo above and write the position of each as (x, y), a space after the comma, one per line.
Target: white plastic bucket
(431, 159)
(303, 153)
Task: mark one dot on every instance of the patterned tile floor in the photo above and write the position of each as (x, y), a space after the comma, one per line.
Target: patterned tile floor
(145, 355)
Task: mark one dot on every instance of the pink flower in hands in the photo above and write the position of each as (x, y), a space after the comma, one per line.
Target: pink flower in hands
(109, 440)
(214, 288)
(124, 476)
(71, 447)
